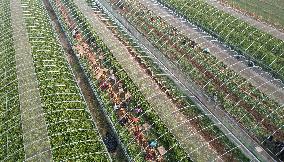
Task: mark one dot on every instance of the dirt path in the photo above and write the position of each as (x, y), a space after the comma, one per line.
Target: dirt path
(35, 136)
(263, 84)
(253, 22)
(157, 99)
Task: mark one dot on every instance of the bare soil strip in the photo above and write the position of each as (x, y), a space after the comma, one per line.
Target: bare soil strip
(185, 133)
(35, 136)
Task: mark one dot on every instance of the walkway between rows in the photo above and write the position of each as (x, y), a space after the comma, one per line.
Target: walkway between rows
(35, 136)
(253, 22)
(182, 130)
(263, 84)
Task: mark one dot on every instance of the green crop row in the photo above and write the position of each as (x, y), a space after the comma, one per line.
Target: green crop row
(11, 140)
(72, 133)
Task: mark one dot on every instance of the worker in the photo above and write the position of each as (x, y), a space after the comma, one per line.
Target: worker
(137, 131)
(134, 120)
(74, 32)
(123, 121)
(104, 85)
(138, 110)
(112, 77)
(120, 91)
(124, 105)
(144, 141)
(115, 107)
(127, 96)
(153, 143)
(121, 112)
(150, 154)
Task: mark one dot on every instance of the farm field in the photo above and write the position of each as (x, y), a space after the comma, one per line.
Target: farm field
(71, 133)
(152, 25)
(137, 80)
(269, 11)
(257, 45)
